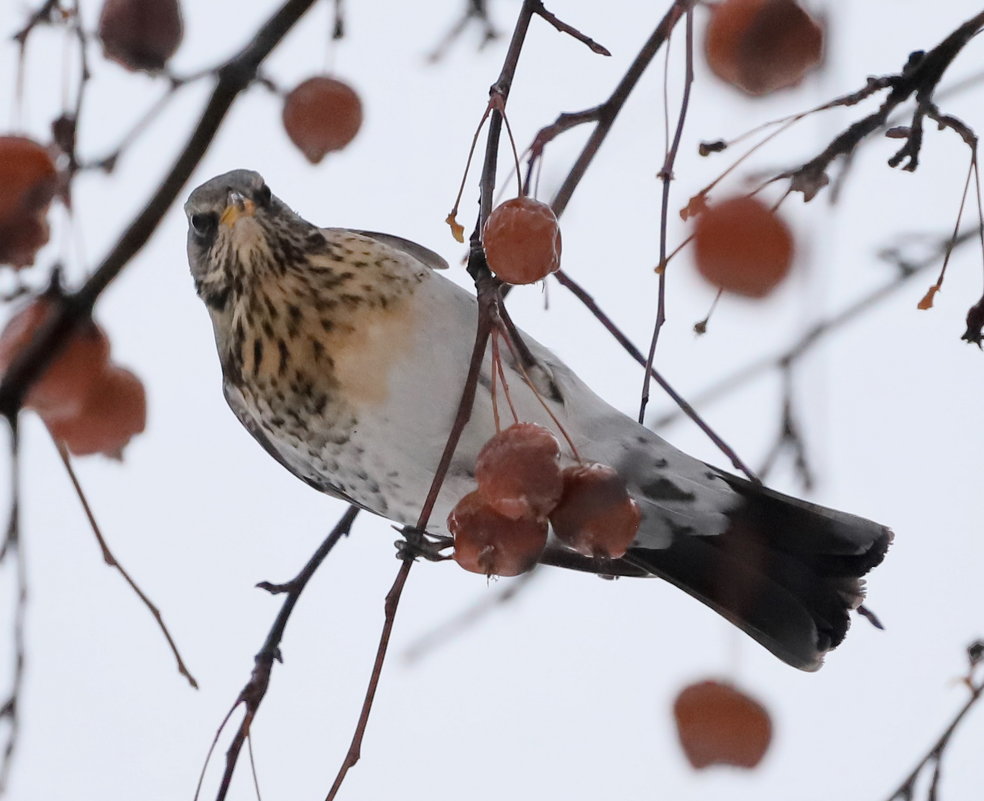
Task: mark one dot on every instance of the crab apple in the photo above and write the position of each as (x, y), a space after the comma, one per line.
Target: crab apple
(489, 543)
(64, 386)
(28, 182)
(140, 34)
(28, 177)
(719, 725)
(22, 239)
(742, 246)
(320, 115)
(760, 46)
(595, 516)
(522, 241)
(518, 471)
(114, 412)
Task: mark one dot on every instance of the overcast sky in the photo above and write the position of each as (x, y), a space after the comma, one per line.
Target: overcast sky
(566, 692)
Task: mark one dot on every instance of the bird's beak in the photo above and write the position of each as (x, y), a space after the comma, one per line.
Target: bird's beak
(239, 206)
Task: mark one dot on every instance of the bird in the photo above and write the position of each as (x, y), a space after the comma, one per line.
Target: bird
(344, 354)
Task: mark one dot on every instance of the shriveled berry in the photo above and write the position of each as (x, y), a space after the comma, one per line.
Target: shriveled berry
(320, 115)
(140, 34)
(114, 412)
(760, 46)
(487, 542)
(742, 246)
(518, 471)
(522, 241)
(64, 387)
(719, 725)
(596, 515)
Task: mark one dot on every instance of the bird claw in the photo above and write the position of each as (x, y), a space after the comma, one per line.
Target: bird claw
(419, 544)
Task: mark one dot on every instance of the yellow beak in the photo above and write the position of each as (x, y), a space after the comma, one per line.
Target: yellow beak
(239, 207)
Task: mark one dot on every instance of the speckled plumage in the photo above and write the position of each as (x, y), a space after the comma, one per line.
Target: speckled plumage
(344, 354)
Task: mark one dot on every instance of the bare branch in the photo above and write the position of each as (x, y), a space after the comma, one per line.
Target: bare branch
(111, 560)
(251, 696)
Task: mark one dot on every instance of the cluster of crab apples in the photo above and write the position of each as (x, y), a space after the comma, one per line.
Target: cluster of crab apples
(501, 528)
(89, 404)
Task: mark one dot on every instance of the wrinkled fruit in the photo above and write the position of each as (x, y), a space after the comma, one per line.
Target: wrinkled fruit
(518, 471)
(760, 46)
(322, 115)
(596, 516)
(28, 182)
(64, 387)
(114, 412)
(742, 246)
(140, 34)
(488, 543)
(718, 725)
(522, 241)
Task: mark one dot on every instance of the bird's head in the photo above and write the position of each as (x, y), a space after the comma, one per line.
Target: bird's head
(237, 227)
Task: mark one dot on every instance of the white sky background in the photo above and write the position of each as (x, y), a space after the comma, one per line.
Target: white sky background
(567, 691)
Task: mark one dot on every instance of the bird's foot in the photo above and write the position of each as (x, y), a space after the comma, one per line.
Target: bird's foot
(420, 544)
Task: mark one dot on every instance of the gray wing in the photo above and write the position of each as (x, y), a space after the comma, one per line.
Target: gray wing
(419, 252)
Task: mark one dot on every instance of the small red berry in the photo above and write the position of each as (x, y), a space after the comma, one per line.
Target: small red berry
(321, 115)
(719, 725)
(114, 412)
(66, 383)
(596, 515)
(742, 246)
(522, 241)
(487, 542)
(140, 34)
(518, 471)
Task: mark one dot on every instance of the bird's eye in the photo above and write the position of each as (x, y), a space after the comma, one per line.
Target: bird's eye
(262, 196)
(204, 225)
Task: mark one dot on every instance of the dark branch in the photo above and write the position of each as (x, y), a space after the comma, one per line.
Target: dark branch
(251, 696)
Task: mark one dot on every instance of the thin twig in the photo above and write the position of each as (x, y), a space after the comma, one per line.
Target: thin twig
(666, 176)
(474, 10)
(934, 756)
(920, 76)
(112, 561)
(682, 405)
(810, 338)
(570, 30)
(606, 113)
(12, 544)
(252, 694)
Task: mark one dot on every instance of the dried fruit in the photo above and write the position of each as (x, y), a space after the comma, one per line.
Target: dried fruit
(114, 412)
(28, 182)
(518, 471)
(762, 45)
(741, 245)
(321, 115)
(140, 34)
(719, 725)
(487, 542)
(522, 241)
(65, 385)
(595, 516)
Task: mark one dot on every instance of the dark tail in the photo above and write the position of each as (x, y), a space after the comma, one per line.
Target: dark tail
(785, 571)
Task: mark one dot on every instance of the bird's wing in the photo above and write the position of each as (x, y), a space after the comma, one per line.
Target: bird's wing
(419, 252)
